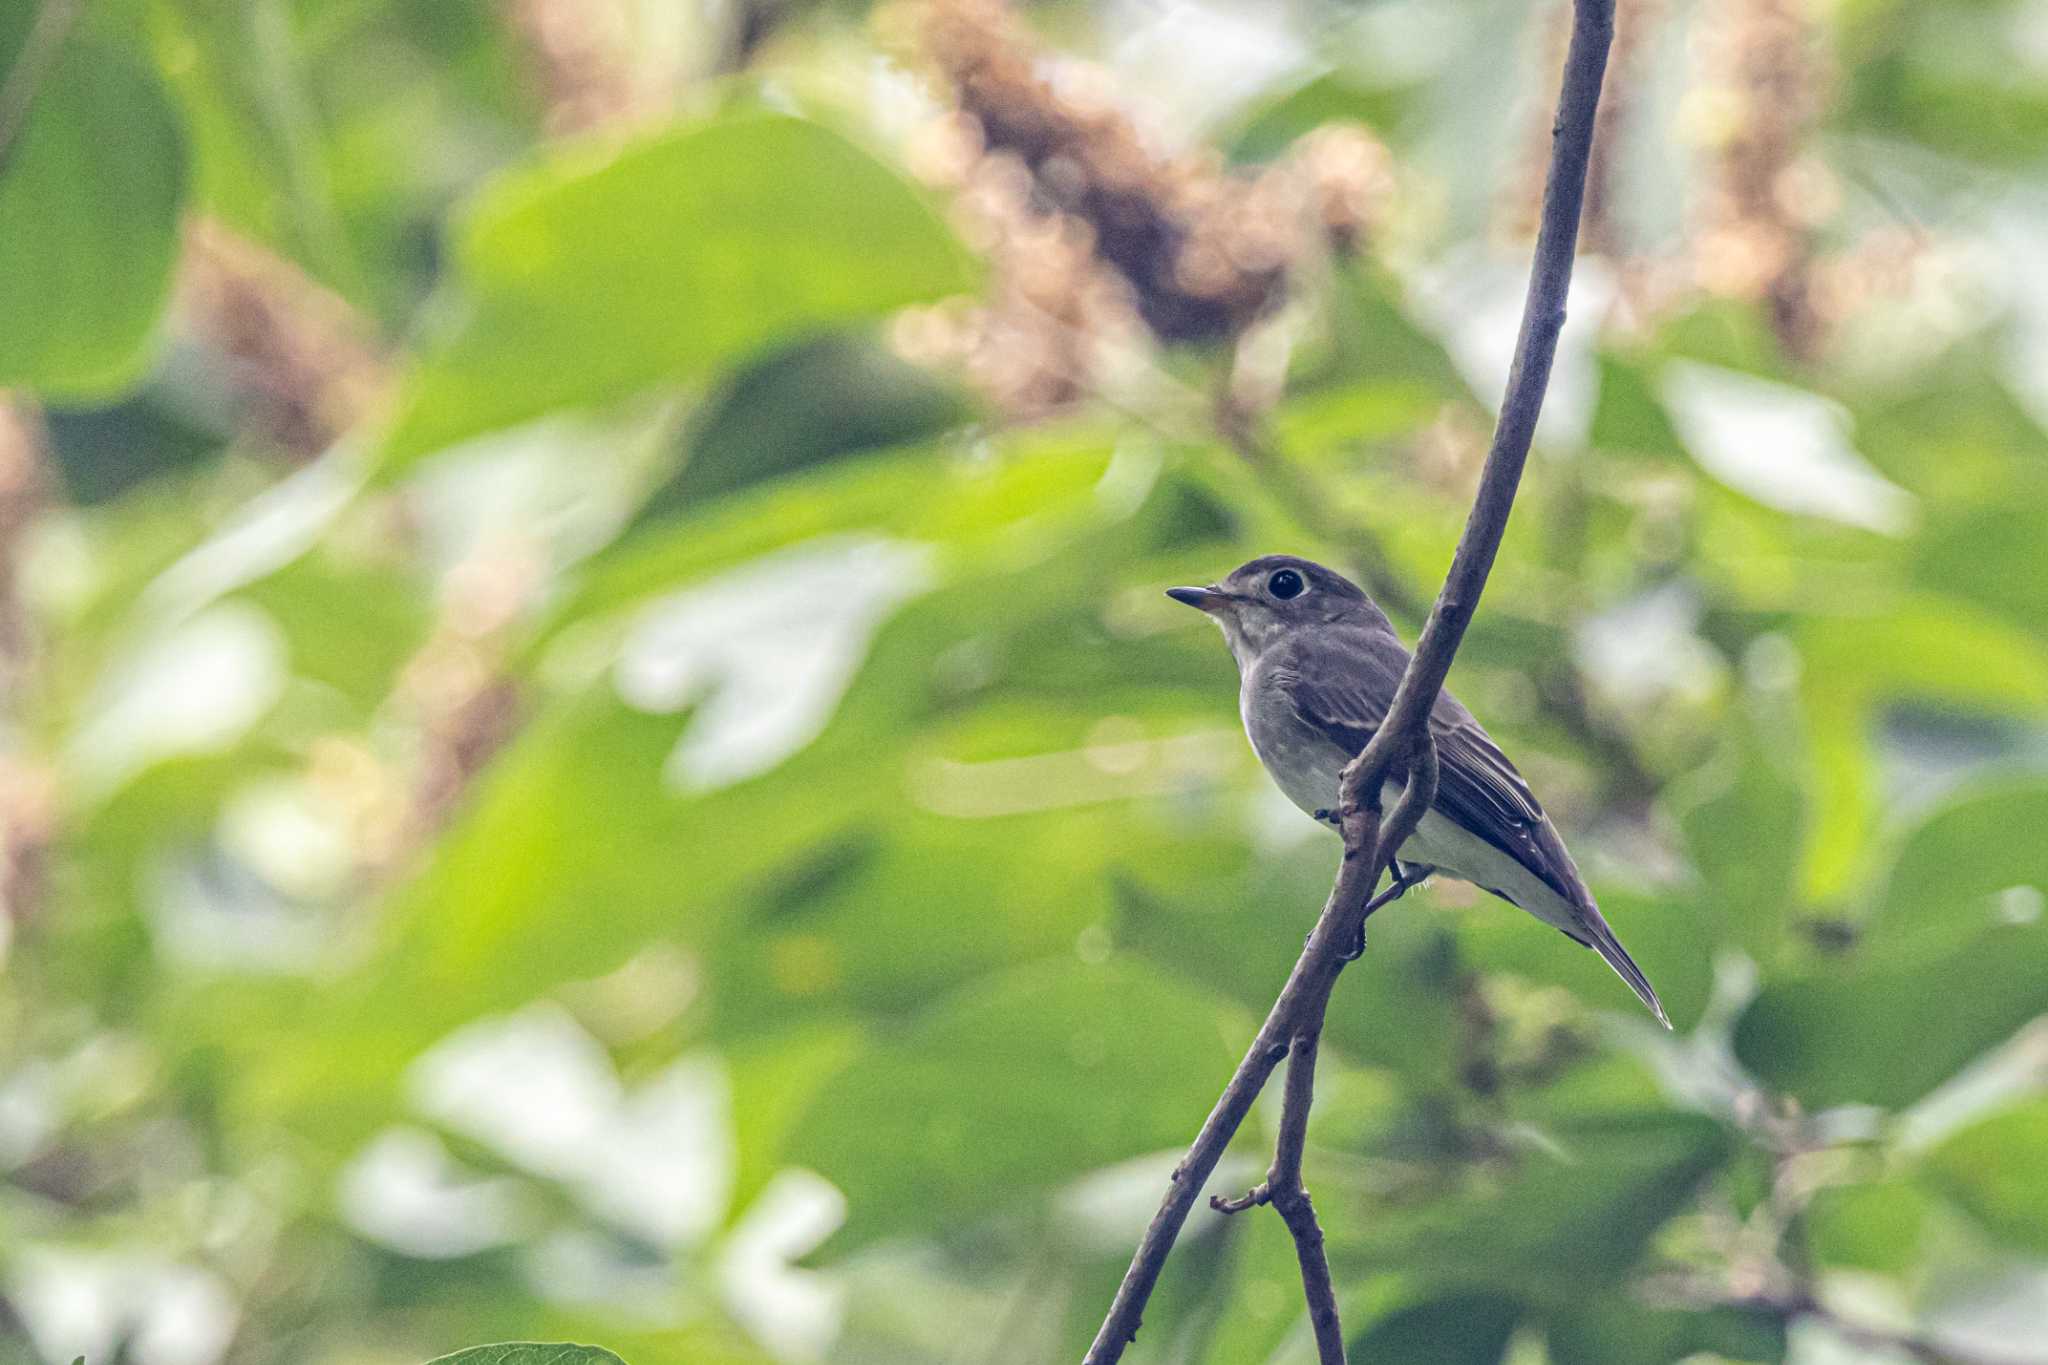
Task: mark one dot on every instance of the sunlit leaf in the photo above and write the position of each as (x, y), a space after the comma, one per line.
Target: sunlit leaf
(86, 255)
(587, 280)
(1993, 1169)
(1038, 490)
(1870, 1226)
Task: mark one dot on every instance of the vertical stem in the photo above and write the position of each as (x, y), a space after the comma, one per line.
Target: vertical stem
(1290, 1199)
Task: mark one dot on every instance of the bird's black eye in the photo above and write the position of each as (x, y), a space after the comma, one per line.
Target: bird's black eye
(1285, 584)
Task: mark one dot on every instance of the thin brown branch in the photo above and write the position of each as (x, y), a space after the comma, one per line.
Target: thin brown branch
(1528, 376)
(1306, 993)
(1296, 1017)
(1290, 1199)
(1284, 1190)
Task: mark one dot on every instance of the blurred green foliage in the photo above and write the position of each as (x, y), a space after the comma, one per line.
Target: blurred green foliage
(692, 827)
(529, 1353)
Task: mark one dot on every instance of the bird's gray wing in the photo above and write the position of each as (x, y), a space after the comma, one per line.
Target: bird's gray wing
(1343, 683)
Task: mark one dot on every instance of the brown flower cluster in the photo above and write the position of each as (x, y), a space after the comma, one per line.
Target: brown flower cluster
(1096, 236)
(296, 353)
(24, 490)
(28, 823)
(1637, 27)
(1764, 82)
(27, 790)
(582, 58)
(1761, 82)
(456, 692)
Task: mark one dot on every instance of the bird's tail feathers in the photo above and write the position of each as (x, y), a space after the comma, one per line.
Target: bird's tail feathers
(1601, 940)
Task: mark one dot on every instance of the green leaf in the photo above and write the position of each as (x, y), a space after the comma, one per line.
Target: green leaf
(1211, 914)
(1955, 103)
(1038, 490)
(1888, 1031)
(1991, 556)
(1875, 1225)
(1925, 648)
(1372, 337)
(530, 1353)
(816, 401)
(1464, 1329)
(1014, 1085)
(1333, 97)
(584, 282)
(1628, 1333)
(1956, 434)
(773, 1080)
(826, 930)
(1582, 1207)
(1672, 937)
(350, 626)
(1935, 647)
(89, 201)
(240, 82)
(1258, 1305)
(1945, 885)
(1743, 819)
(1993, 1169)
(1629, 416)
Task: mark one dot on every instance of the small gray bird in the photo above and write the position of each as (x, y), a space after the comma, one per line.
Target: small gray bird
(1318, 663)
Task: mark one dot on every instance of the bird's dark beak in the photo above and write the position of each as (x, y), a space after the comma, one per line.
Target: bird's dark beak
(1201, 599)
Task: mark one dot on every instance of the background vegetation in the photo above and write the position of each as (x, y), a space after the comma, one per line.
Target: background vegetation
(593, 749)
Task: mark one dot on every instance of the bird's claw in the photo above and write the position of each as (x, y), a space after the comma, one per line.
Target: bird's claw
(1356, 950)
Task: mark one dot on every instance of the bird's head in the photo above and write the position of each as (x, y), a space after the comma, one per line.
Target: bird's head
(1259, 602)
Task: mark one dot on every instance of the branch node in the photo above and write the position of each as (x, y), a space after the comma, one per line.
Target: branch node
(1250, 1199)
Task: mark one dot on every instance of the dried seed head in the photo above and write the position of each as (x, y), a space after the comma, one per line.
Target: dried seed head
(1192, 244)
(297, 354)
(1764, 81)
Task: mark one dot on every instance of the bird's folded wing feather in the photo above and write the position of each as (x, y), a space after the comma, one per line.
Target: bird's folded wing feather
(1344, 689)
